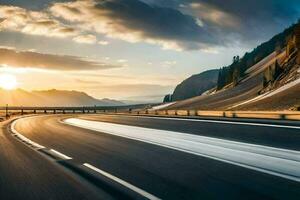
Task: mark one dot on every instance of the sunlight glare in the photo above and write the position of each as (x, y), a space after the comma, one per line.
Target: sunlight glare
(8, 81)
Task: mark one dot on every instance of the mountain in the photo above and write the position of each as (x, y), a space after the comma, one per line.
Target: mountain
(52, 97)
(239, 65)
(268, 78)
(195, 85)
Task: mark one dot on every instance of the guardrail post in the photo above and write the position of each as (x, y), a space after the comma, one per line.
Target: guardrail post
(45, 111)
(34, 111)
(234, 115)
(22, 112)
(73, 111)
(54, 111)
(6, 111)
(282, 116)
(64, 112)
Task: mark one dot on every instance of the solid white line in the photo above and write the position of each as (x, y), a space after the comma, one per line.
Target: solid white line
(216, 121)
(122, 182)
(23, 138)
(61, 155)
(275, 161)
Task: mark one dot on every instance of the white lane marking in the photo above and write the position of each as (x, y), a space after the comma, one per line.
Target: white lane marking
(122, 182)
(23, 138)
(61, 155)
(275, 161)
(216, 121)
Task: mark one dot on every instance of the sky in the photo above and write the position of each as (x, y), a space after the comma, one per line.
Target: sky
(130, 49)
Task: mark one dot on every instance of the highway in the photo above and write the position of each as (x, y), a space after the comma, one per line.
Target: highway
(139, 157)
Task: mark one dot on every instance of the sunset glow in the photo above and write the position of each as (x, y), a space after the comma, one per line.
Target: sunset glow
(129, 50)
(8, 81)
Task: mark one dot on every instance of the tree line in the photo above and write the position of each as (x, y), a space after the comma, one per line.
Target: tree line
(232, 73)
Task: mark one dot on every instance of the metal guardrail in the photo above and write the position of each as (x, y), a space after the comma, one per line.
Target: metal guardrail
(287, 115)
(8, 110)
(72, 107)
(136, 110)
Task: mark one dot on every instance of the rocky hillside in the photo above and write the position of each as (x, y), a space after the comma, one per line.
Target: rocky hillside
(195, 85)
(53, 97)
(271, 83)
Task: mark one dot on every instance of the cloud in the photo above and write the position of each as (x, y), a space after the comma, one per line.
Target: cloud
(173, 24)
(86, 39)
(237, 22)
(29, 59)
(33, 23)
(48, 28)
(42, 23)
(243, 21)
(209, 13)
(136, 21)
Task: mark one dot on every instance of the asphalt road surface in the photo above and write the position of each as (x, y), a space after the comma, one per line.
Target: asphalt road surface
(118, 157)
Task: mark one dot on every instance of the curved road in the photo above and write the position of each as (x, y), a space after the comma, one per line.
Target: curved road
(90, 164)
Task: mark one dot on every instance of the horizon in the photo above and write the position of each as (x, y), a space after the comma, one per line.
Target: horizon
(48, 45)
(125, 101)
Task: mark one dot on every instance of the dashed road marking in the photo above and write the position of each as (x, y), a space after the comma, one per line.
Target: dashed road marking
(122, 182)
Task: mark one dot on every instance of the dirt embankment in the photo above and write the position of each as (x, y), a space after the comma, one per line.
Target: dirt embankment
(249, 94)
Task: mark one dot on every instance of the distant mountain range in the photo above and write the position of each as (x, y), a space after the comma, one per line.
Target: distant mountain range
(20, 97)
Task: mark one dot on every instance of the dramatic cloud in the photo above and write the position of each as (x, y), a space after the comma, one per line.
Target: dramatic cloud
(236, 21)
(135, 21)
(28, 59)
(33, 23)
(247, 21)
(207, 12)
(40, 23)
(172, 24)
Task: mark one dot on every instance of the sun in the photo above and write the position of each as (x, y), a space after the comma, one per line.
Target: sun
(8, 81)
